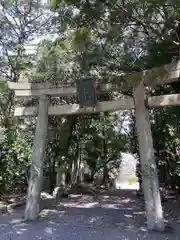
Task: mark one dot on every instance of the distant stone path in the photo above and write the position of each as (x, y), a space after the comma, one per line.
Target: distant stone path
(109, 218)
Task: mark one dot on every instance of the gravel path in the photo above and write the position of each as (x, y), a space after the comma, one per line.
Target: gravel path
(80, 218)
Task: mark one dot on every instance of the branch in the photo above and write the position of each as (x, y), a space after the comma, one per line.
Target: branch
(6, 74)
(7, 55)
(9, 22)
(36, 29)
(19, 14)
(32, 20)
(29, 10)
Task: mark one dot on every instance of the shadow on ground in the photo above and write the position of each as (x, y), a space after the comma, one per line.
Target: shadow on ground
(81, 218)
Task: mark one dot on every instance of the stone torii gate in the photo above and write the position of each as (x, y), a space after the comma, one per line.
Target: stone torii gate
(140, 102)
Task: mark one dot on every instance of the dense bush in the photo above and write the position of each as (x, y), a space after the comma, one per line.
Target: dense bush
(15, 155)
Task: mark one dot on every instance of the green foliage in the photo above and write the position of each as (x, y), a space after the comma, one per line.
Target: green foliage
(103, 143)
(54, 62)
(20, 23)
(6, 98)
(95, 38)
(15, 155)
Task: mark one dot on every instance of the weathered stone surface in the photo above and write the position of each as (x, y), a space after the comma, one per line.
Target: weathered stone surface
(150, 179)
(36, 177)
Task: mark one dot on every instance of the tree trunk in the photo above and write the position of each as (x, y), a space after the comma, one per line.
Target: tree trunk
(104, 156)
(80, 170)
(65, 141)
(76, 164)
(105, 176)
(52, 173)
(135, 150)
(36, 177)
(60, 177)
(148, 165)
(75, 171)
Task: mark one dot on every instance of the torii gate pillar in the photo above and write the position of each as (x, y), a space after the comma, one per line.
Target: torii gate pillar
(36, 177)
(151, 190)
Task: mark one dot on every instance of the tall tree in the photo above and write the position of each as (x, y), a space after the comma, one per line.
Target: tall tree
(20, 23)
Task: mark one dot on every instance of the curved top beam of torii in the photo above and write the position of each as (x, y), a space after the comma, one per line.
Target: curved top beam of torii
(156, 76)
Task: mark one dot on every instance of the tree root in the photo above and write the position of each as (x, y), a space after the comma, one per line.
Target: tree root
(83, 189)
(13, 206)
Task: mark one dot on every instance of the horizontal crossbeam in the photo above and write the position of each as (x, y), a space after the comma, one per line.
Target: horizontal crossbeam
(106, 106)
(24, 89)
(156, 76)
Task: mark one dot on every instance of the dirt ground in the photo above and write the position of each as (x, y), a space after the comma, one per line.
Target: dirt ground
(82, 218)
